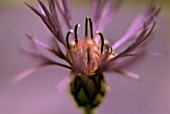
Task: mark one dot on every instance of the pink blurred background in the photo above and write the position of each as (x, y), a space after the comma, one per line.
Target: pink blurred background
(36, 94)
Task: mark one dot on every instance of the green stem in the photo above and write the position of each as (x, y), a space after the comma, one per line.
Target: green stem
(88, 110)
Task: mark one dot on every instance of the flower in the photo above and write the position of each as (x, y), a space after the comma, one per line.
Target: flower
(88, 58)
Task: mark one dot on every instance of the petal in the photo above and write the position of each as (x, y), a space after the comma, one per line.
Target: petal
(127, 61)
(109, 11)
(95, 9)
(65, 9)
(128, 74)
(103, 13)
(105, 16)
(37, 47)
(137, 25)
(143, 36)
(39, 43)
(22, 75)
(26, 73)
(50, 20)
(68, 15)
(63, 83)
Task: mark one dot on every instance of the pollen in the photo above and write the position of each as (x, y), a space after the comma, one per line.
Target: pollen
(72, 43)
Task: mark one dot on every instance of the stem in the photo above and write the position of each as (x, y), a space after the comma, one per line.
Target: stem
(88, 110)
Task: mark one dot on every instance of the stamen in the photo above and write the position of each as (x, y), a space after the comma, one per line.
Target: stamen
(67, 38)
(86, 28)
(75, 33)
(91, 28)
(102, 40)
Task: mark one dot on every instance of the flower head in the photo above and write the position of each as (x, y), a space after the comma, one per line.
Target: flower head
(91, 56)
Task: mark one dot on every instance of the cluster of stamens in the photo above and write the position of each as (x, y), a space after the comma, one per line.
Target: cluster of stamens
(86, 55)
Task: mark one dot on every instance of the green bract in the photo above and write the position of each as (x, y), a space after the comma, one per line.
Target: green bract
(88, 91)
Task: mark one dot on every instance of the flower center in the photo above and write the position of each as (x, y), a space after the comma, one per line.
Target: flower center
(86, 55)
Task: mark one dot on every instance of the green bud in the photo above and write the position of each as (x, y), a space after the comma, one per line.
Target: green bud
(88, 91)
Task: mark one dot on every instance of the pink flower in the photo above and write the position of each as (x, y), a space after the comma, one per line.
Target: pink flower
(91, 55)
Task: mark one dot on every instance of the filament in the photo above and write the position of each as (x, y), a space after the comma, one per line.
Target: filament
(75, 33)
(86, 27)
(67, 38)
(102, 40)
(91, 28)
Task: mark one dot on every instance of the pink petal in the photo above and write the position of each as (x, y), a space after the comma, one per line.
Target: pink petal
(41, 10)
(63, 83)
(28, 72)
(106, 17)
(65, 9)
(103, 14)
(128, 74)
(145, 17)
(25, 74)
(41, 44)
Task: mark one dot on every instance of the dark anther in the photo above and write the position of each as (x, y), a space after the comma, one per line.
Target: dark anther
(67, 38)
(86, 27)
(75, 33)
(91, 27)
(102, 40)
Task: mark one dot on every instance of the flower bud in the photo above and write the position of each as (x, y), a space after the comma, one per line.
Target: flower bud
(88, 91)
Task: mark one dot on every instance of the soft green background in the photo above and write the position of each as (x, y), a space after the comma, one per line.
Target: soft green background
(167, 2)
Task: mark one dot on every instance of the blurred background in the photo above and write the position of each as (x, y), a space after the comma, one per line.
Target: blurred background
(36, 94)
